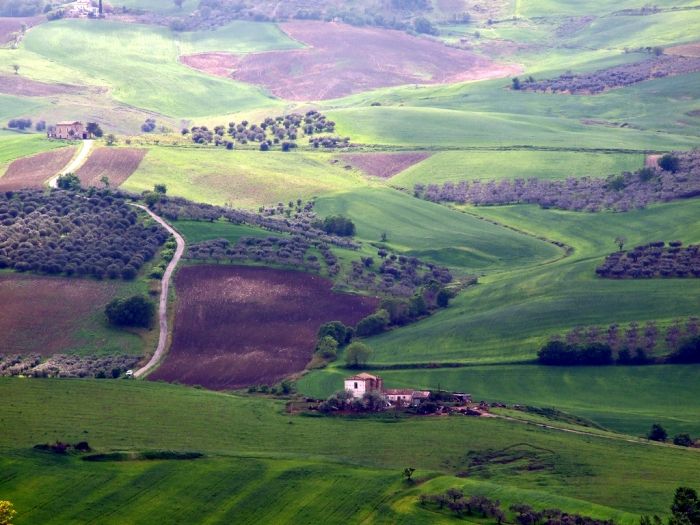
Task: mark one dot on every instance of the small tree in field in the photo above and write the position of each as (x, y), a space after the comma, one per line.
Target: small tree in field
(408, 472)
(16, 68)
(620, 241)
(327, 347)
(657, 433)
(357, 354)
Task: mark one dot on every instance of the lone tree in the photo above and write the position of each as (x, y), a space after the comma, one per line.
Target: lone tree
(657, 433)
(620, 241)
(136, 310)
(16, 68)
(94, 128)
(408, 472)
(357, 354)
(668, 162)
(105, 180)
(160, 188)
(6, 513)
(516, 84)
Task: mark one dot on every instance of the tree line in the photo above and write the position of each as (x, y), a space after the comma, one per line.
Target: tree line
(651, 260)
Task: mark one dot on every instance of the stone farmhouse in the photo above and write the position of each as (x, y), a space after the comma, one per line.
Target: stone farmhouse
(83, 8)
(364, 382)
(68, 130)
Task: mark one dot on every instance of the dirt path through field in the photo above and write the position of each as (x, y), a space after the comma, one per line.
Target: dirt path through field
(163, 308)
(73, 166)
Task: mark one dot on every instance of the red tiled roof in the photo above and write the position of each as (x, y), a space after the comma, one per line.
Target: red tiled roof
(399, 392)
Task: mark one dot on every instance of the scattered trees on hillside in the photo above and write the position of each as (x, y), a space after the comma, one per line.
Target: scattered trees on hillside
(149, 125)
(621, 192)
(617, 76)
(652, 259)
(20, 123)
(75, 232)
(62, 365)
(336, 225)
(357, 354)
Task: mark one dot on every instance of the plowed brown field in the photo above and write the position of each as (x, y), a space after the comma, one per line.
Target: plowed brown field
(8, 26)
(42, 314)
(219, 64)
(116, 163)
(18, 85)
(35, 171)
(237, 326)
(383, 165)
(345, 59)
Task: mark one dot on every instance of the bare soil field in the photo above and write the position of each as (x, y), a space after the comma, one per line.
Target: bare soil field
(116, 163)
(18, 85)
(42, 314)
(685, 50)
(652, 161)
(219, 64)
(9, 26)
(383, 165)
(34, 171)
(238, 326)
(345, 59)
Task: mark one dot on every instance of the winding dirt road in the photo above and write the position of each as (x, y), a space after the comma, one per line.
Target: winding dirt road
(163, 308)
(73, 166)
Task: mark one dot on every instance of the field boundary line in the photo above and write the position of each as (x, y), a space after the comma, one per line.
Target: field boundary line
(77, 162)
(163, 307)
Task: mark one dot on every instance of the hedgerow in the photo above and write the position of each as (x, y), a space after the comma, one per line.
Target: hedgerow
(621, 192)
(75, 232)
(650, 260)
(614, 77)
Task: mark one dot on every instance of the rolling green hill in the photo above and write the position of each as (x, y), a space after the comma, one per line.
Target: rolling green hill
(237, 37)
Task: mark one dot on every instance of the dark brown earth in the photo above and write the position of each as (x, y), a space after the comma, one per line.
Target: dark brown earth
(383, 165)
(344, 59)
(238, 326)
(116, 163)
(35, 171)
(41, 314)
(9, 26)
(19, 85)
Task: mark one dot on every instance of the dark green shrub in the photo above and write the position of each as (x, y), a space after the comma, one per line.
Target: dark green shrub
(136, 310)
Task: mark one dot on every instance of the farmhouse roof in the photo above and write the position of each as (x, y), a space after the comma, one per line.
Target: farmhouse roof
(399, 392)
(68, 123)
(362, 376)
(421, 394)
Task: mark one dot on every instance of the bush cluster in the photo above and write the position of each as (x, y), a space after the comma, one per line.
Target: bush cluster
(83, 233)
(678, 177)
(291, 220)
(149, 125)
(20, 123)
(270, 250)
(372, 401)
(284, 129)
(137, 310)
(559, 353)
(336, 225)
(617, 76)
(454, 499)
(61, 365)
(651, 260)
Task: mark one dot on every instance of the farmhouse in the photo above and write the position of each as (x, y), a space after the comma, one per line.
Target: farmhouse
(84, 8)
(362, 383)
(68, 130)
(399, 397)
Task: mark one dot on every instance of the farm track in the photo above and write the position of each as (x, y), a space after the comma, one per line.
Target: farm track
(163, 307)
(73, 166)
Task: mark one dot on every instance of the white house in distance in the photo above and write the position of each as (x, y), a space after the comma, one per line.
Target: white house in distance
(362, 383)
(84, 8)
(399, 397)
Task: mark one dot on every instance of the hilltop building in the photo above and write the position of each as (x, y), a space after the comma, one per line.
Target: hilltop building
(84, 8)
(68, 130)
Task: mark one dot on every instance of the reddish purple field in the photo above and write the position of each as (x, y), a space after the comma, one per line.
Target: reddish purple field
(35, 171)
(116, 163)
(238, 326)
(383, 165)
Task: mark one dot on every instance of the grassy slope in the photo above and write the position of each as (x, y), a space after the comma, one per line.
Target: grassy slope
(246, 178)
(162, 7)
(458, 165)
(507, 317)
(427, 230)
(625, 399)
(429, 127)
(238, 37)
(198, 231)
(15, 146)
(126, 415)
(140, 64)
(16, 107)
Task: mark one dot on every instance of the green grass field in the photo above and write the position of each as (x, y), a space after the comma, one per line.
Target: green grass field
(140, 65)
(507, 317)
(159, 6)
(245, 178)
(237, 37)
(469, 165)
(133, 415)
(624, 399)
(15, 146)
(427, 230)
(16, 107)
(533, 8)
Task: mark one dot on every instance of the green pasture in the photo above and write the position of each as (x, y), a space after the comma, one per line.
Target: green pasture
(485, 165)
(14, 146)
(245, 178)
(140, 65)
(507, 317)
(237, 37)
(622, 398)
(162, 7)
(435, 128)
(134, 415)
(16, 107)
(535, 8)
(198, 231)
(426, 230)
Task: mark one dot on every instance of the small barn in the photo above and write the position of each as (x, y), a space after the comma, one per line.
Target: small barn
(68, 130)
(399, 397)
